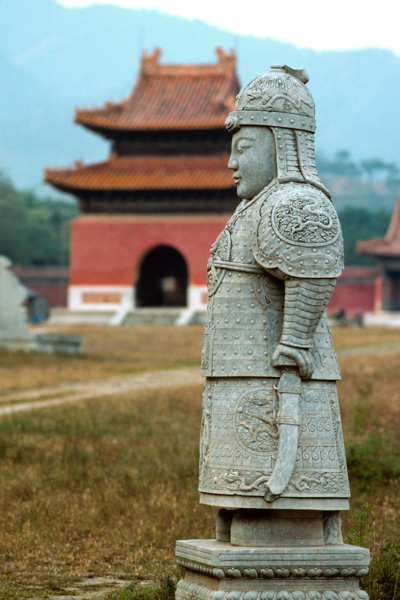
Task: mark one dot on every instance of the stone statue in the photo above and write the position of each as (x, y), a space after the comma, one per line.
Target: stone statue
(271, 453)
(271, 434)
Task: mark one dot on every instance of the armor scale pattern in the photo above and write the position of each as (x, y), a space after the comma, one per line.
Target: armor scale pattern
(245, 306)
(305, 303)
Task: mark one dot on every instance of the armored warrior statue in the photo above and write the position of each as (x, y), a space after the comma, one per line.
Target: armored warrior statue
(271, 453)
(271, 435)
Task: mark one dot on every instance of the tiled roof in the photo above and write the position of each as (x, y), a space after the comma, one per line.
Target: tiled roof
(390, 244)
(171, 97)
(145, 173)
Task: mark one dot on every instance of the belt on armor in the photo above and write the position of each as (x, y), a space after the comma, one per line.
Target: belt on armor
(237, 266)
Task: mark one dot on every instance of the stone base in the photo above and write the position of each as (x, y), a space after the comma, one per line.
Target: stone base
(219, 571)
(276, 528)
(18, 344)
(48, 343)
(59, 343)
(258, 502)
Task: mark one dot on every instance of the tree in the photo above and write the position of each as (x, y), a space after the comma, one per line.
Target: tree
(375, 168)
(31, 228)
(341, 164)
(359, 224)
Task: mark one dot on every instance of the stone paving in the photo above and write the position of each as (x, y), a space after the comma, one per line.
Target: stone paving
(91, 588)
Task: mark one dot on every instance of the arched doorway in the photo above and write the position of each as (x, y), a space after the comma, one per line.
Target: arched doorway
(163, 279)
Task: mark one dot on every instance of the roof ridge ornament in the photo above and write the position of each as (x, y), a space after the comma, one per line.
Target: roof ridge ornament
(149, 62)
(226, 59)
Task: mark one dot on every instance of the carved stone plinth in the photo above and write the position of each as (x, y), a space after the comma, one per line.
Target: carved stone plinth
(219, 571)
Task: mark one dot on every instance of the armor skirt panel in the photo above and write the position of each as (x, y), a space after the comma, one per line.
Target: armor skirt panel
(240, 438)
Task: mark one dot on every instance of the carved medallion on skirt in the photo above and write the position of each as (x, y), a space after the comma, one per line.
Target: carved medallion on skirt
(239, 440)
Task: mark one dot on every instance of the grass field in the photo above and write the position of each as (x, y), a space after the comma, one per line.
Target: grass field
(108, 352)
(106, 486)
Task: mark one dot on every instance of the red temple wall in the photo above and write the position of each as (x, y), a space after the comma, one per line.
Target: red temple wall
(108, 249)
(352, 297)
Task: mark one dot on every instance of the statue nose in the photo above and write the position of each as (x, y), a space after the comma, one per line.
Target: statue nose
(233, 164)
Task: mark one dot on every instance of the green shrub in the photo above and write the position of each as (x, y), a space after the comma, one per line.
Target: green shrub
(383, 579)
(360, 527)
(373, 461)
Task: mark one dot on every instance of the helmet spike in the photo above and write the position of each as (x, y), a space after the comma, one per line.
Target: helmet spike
(300, 74)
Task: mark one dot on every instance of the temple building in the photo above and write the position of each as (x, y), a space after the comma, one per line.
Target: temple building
(386, 251)
(151, 211)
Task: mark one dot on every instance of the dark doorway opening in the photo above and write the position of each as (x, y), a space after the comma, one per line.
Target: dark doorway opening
(163, 279)
(394, 299)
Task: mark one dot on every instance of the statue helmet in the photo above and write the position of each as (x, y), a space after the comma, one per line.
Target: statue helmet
(281, 101)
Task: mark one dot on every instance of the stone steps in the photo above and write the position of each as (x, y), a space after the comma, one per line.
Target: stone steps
(63, 316)
(160, 317)
(156, 317)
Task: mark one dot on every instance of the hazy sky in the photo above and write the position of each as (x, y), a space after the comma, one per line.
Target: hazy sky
(318, 24)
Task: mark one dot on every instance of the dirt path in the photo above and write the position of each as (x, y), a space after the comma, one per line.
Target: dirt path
(388, 348)
(15, 402)
(74, 392)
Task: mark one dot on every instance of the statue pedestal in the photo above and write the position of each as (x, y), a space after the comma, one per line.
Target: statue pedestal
(220, 571)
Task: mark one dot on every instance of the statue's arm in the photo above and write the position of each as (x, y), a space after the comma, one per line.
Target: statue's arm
(298, 239)
(305, 303)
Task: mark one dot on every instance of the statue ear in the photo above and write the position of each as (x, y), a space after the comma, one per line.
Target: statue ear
(232, 123)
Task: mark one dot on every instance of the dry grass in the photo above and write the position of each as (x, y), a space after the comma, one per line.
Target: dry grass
(108, 352)
(107, 486)
(370, 393)
(370, 406)
(354, 337)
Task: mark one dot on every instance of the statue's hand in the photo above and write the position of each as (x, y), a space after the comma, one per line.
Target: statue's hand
(303, 359)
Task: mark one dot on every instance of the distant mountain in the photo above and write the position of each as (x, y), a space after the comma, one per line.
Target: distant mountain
(53, 59)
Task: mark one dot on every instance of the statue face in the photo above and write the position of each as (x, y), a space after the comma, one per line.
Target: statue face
(252, 160)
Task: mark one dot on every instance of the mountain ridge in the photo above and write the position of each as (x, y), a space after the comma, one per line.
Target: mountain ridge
(53, 59)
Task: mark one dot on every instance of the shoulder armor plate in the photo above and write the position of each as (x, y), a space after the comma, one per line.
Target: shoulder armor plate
(299, 233)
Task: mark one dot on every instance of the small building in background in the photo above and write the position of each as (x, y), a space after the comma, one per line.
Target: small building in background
(46, 282)
(152, 210)
(386, 251)
(46, 288)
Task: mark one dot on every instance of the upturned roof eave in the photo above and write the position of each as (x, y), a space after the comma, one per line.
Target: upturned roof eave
(75, 189)
(377, 248)
(106, 128)
(61, 179)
